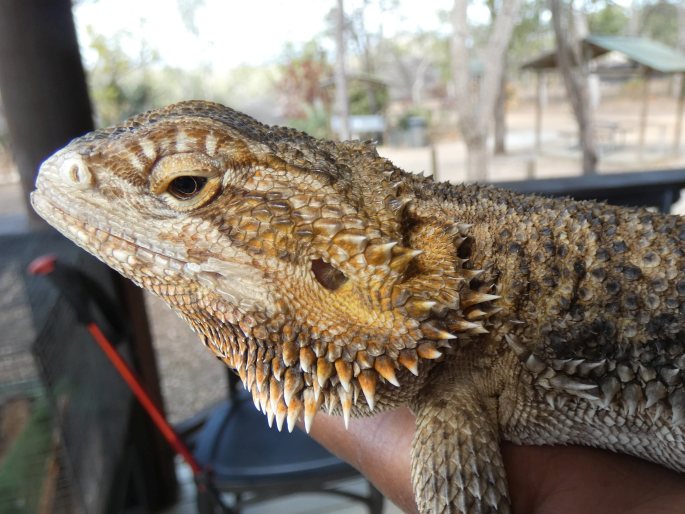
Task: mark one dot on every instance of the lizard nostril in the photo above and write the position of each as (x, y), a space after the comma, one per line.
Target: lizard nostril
(75, 172)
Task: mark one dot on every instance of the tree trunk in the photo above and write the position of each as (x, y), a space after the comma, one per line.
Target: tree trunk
(634, 19)
(501, 117)
(477, 157)
(341, 97)
(571, 64)
(679, 115)
(678, 78)
(476, 96)
(681, 26)
(679, 82)
(539, 103)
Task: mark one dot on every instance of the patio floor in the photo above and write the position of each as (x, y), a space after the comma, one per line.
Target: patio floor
(294, 504)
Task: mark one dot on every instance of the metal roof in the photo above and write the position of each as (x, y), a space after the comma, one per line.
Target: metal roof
(646, 52)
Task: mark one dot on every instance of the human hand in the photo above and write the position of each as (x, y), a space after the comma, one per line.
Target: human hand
(542, 479)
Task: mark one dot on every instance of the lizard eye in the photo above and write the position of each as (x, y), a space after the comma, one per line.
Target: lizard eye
(186, 187)
(186, 181)
(327, 275)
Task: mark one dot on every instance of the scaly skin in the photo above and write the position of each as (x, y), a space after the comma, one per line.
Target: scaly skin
(326, 276)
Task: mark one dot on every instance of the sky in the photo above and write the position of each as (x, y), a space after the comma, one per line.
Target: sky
(235, 32)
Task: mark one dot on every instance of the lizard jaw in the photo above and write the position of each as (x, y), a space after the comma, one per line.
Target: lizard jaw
(114, 246)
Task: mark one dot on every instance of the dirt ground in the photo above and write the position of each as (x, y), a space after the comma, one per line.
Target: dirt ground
(14, 414)
(618, 133)
(192, 379)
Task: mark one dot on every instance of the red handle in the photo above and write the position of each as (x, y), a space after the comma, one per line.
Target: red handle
(139, 391)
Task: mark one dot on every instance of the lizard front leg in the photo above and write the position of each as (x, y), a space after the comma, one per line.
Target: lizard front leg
(457, 466)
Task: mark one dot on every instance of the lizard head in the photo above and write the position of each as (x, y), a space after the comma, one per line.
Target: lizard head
(292, 257)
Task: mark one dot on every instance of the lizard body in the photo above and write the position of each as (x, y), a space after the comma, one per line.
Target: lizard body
(327, 277)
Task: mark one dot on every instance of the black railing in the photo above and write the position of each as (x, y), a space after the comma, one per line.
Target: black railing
(658, 188)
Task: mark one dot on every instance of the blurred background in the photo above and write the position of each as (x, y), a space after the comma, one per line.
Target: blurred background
(482, 90)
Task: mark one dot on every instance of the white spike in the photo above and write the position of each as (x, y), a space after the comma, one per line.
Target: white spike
(281, 413)
(294, 411)
(311, 405)
(346, 403)
(270, 416)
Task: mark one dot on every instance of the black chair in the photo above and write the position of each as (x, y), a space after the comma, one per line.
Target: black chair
(254, 463)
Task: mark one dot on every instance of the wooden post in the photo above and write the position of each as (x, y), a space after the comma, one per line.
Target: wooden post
(46, 104)
(42, 84)
(158, 463)
(647, 78)
(679, 116)
(434, 162)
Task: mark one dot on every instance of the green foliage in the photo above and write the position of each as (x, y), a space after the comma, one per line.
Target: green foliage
(417, 64)
(120, 85)
(532, 34)
(413, 112)
(424, 56)
(24, 463)
(659, 21)
(315, 121)
(609, 20)
(367, 97)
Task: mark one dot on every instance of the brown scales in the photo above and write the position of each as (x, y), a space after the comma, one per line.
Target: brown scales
(316, 375)
(329, 278)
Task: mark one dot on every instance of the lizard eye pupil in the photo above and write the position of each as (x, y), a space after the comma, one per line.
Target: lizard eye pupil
(186, 187)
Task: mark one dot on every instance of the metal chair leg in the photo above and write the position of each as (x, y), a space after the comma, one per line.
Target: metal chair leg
(376, 500)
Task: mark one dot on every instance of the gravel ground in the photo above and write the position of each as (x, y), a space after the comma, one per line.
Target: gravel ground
(192, 378)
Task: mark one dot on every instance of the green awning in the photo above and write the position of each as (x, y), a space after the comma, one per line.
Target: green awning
(646, 52)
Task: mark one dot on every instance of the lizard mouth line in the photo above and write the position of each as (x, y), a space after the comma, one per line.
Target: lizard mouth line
(94, 239)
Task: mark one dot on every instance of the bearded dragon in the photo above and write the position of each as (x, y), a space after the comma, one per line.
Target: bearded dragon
(327, 277)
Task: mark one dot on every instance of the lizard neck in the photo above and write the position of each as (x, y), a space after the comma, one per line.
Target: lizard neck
(581, 277)
(532, 252)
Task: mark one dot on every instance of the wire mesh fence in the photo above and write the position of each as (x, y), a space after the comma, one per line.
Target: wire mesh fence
(64, 412)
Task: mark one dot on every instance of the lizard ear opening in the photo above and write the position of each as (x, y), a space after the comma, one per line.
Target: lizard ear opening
(328, 276)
